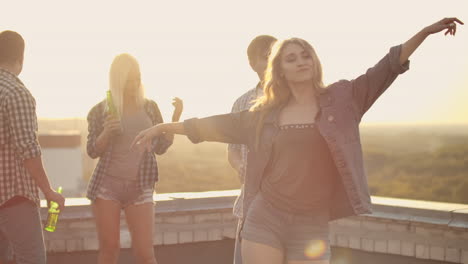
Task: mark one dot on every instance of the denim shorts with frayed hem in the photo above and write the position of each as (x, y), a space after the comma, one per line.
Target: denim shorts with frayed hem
(300, 237)
(125, 192)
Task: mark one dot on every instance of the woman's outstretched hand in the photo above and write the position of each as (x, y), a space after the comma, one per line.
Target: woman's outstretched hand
(143, 140)
(178, 108)
(448, 24)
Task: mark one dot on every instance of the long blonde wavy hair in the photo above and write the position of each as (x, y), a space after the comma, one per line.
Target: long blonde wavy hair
(275, 87)
(122, 65)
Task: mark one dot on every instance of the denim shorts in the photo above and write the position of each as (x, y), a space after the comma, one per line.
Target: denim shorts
(300, 237)
(125, 192)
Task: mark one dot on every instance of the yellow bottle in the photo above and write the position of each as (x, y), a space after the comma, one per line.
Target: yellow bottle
(52, 216)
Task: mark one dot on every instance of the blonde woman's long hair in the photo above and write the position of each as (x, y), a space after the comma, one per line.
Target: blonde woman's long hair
(119, 72)
(275, 87)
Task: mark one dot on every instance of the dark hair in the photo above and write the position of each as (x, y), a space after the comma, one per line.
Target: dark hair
(258, 46)
(11, 47)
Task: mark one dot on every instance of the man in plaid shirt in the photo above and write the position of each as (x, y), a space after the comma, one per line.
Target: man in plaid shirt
(21, 169)
(257, 53)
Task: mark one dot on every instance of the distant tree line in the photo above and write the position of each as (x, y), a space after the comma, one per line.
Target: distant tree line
(440, 174)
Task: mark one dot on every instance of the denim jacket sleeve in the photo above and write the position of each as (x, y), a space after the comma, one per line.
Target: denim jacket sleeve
(369, 86)
(234, 128)
(235, 108)
(95, 128)
(159, 144)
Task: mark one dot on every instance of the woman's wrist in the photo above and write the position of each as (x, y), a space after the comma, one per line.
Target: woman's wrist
(168, 128)
(425, 32)
(160, 129)
(176, 116)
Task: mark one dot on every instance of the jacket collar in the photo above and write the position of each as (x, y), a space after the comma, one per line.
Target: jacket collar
(273, 115)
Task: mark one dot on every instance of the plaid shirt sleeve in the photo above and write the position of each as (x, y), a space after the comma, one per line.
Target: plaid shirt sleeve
(95, 127)
(160, 144)
(21, 108)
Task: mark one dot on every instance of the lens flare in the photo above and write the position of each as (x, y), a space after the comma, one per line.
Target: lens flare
(315, 249)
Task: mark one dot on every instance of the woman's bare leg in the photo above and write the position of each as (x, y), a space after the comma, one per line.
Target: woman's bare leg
(256, 253)
(107, 215)
(140, 221)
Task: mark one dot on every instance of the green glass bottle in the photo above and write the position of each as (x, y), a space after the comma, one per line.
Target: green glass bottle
(111, 109)
(52, 216)
(110, 105)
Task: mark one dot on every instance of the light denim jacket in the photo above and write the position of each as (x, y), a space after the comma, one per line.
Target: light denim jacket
(342, 106)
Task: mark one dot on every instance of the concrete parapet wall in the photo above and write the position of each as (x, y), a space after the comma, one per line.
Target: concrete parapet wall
(423, 230)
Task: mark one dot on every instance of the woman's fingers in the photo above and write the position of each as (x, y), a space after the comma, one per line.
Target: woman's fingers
(110, 117)
(113, 125)
(451, 26)
(137, 142)
(176, 100)
(449, 20)
(454, 19)
(111, 122)
(448, 31)
(143, 140)
(177, 103)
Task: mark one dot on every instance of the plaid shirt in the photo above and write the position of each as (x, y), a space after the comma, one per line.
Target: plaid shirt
(18, 139)
(244, 102)
(148, 171)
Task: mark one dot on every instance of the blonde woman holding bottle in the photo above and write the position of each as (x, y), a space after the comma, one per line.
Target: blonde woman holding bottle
(124, 179)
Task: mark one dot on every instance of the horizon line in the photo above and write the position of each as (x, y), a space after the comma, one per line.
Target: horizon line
(403, 123)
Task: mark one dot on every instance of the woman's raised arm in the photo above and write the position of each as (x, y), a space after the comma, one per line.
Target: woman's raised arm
(447, 24)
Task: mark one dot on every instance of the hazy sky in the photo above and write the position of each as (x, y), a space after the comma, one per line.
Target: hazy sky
(197, 50)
